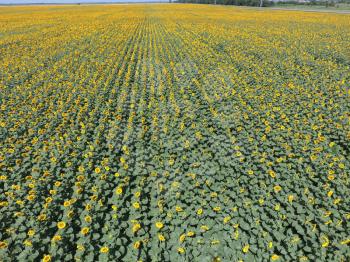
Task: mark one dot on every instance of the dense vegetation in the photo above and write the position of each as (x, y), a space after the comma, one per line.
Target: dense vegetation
(174, 133)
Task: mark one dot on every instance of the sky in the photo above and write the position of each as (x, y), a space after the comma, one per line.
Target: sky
(71, 1)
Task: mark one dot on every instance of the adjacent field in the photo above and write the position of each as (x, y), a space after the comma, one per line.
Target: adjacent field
(174, 133)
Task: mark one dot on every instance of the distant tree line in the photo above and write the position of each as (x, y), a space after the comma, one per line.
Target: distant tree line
(264, 2)
(229, 2)
(314, 2)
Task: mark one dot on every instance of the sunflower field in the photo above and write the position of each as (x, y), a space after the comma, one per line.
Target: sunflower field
(174, 132)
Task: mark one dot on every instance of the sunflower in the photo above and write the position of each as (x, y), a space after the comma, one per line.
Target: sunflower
(159, 225)
(137, 244)
(119, 190)
(245, 249)
(61, 225)
(84, 230)
(181, 250)
(104, 249)
(46, 258)
(161, 237)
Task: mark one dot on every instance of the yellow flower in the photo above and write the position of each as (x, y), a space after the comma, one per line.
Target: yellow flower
(88, 207)
(217, 209)
(182, 238)
(84, 230)
(277, 188)
(80, 247)
(181, 250)
(261, 201)
(31, 197)
(104, 249)
(136, 228)
(46, 258)
(250, 172)
(42, 217)
(313, 157)
(3, 245)
(331, 177)
(125, 148)
(272, 173)
(137, 244)
(205, 228)
(290, 198)
(190, 234)
(325, 241)
(226, 219)
(119, 190)
(199, 211)
(136, 205)
(178, 208)
(330, 193)
(345, 242)
(245, 249)
(28, 243)
(337, 201)
(161, 237)
(56, 238)
(4, 204)
(97, 170)
(270, 245)
(275, 257)
(159, 225)
(31, 232)
(61, 225)
(11, 150)
(88, 219)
